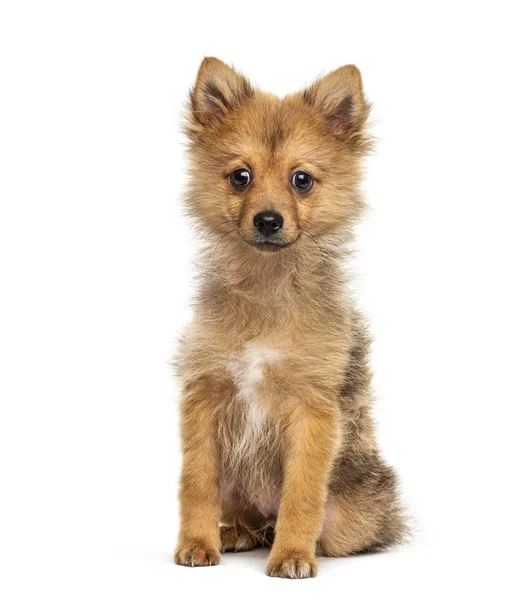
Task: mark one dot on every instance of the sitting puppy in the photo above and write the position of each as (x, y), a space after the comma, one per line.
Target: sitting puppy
(277, 437)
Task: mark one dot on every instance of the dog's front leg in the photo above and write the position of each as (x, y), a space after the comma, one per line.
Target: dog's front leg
(312, 437)
(199, 538)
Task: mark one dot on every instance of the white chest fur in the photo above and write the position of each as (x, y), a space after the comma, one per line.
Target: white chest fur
(247, 371)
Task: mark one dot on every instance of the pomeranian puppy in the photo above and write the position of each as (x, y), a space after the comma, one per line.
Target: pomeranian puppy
(277, 437)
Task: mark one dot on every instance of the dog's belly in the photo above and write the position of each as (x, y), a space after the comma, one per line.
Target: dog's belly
(252, 480)
(235, 498)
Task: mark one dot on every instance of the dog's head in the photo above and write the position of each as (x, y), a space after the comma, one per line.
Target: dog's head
(272, 169)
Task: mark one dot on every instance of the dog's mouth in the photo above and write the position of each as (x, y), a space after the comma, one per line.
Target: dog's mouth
(269, 245)
(264, 244)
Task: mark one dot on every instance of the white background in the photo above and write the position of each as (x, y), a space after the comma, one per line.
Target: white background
(96, 270)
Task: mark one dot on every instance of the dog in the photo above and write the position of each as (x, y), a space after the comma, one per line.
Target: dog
(277, 437)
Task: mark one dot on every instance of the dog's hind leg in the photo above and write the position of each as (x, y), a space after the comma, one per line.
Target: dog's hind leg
(236, 538)
(244, 528)
(366, 517)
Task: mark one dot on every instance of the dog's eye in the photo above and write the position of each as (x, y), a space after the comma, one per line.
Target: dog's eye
(302, 181)
(240, 178)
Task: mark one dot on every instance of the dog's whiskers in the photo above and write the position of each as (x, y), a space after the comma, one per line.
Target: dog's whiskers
(312, 237)
(222, 236)
(229, 221)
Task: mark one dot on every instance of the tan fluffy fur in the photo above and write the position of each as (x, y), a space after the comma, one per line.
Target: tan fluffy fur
(277, 437)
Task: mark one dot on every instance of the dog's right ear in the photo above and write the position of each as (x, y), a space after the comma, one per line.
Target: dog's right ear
(218, 89)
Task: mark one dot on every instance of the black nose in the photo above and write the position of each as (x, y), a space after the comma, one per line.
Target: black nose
(268, 222)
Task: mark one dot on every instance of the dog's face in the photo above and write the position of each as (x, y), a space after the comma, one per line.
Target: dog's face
(273, 170)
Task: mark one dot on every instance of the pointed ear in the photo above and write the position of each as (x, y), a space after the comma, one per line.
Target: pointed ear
(340, 98)
(218, 89)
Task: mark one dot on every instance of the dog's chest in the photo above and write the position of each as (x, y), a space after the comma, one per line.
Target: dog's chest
(249, 370)
(248, 429)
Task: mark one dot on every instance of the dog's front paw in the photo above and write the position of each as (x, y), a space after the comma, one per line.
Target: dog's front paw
(196, 554)
(293, 565)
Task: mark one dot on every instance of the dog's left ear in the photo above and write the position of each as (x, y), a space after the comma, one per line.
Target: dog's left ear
(340, 98)
(218, 89)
